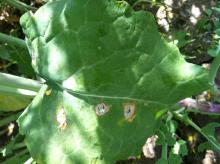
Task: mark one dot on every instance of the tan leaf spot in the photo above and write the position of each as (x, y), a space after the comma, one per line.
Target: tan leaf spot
(149, 147)
(61, 118)
(129, 111)
(102, 109)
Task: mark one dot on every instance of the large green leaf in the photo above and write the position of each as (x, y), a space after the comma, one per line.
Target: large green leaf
(100, 54)
(13, 103)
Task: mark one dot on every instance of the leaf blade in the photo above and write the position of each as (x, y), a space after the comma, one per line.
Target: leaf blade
(116, 58)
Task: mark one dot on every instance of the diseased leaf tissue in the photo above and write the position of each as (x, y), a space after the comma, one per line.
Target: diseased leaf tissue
(113, 53)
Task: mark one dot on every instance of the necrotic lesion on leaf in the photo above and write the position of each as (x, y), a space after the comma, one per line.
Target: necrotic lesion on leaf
(102, 109)
(129, 111)
(112, 56)
(61, 118)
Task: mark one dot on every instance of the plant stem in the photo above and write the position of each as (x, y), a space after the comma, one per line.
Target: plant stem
(149, 1)
(196, 127)
(164, 151)
(9, 119)
(11, 91)
(140, 1)
(212, 75)
(20, 154)
(12, 40)
(8, 80)
(19, 146)
(20, 5)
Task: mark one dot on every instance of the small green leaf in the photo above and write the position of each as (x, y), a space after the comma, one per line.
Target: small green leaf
(19, 56)
(209, 130)
(166, 133)
(214, 51)
(202, 24)
(19, 157)
(174, 159)
(216, 9)
(180, 148)
(172, 126)
(216, 23)
(23, 59)
(180, 36)
(162, 161)
(208, 12)
(4, 52)
(205, 146)
(217, 31)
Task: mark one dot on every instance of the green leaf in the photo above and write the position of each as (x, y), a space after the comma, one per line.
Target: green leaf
(166, 133)
(205, 146)
(209, 130)
(214, 49)
(174, 159)
(4, 53)
(19, 56)
(202, 24)
(216, 23)
(180, 148)
(217, 9)
(162, 161)
(208, 12)
(9, 149)
(119, 73)
(13, 103)
(22, 58)
(84, 136)
(20, 157)
(180, 36)
(217, 31)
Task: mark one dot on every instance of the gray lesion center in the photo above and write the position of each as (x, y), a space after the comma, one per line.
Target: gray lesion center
(102, 109)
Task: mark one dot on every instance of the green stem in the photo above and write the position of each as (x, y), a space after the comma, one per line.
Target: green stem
(20, 154)
(196, 127)
(19, 146)
(9, 119)
(164, 151)
(212, 75)
(12, 40)
(8, 80)
(11, 91)
(147, 1)
(20, 5)
(140, 1)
